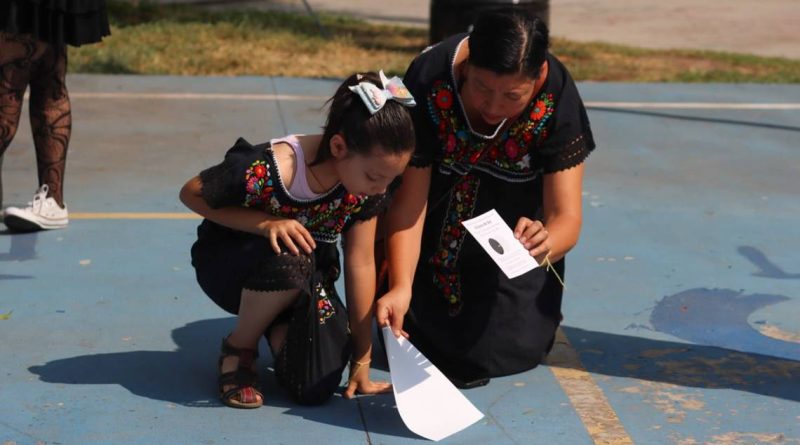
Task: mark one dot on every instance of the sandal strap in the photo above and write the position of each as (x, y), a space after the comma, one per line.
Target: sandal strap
(240, 377)
(246, 356)
(247, 394)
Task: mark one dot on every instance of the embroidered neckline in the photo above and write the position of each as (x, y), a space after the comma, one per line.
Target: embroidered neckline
(508, 155)
(338, 188)
(325, 217)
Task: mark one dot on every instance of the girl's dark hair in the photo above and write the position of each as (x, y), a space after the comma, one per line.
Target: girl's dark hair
(509, 42)
(390, 127)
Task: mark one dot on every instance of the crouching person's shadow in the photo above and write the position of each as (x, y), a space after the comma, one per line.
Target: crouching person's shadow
(187, 376)
(184, 376)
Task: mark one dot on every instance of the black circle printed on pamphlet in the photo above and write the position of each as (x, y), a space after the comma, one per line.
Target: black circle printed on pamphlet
(496, 246)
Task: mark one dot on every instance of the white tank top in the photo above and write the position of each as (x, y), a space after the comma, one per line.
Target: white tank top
(299, 188)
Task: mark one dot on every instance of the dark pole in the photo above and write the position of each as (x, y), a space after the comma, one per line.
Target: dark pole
(448, 17)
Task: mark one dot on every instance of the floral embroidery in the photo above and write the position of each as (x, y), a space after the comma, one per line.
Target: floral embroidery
(324, 219)
(507, 156)
(462, 204)
(258, 183)
(509, 152)
(444, 99)
(325, 308)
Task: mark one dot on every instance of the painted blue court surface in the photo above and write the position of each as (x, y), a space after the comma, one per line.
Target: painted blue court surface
(682, 308)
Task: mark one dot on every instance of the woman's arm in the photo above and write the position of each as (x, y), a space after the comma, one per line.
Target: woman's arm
(359, 279)
(248, 220)
(404, 222)
(559, 231)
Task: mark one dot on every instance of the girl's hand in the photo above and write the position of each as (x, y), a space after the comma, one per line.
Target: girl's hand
(390, 310)
(534, 237)
(290, 232)
(359, 382)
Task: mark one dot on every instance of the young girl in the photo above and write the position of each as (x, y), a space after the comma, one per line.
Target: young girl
(273, 214)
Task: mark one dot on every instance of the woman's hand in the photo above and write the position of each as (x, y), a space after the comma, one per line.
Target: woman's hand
(359, 382)
(290, 232)
(391, 308)
(534, 237)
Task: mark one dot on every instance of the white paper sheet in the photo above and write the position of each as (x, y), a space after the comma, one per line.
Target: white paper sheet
(428, 403)
(497, 239)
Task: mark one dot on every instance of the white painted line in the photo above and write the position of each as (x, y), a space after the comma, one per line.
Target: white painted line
(299, 98)
(696, 105)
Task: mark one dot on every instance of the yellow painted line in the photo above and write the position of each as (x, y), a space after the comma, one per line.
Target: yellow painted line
(586, 397)
(197, 96)
(128, 215)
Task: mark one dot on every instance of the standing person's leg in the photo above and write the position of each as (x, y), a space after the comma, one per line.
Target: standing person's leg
(51, 119)
(238, 377)
(1, 187)
(16, 57)
(51, 122)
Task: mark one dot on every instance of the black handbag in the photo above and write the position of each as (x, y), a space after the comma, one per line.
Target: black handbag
(317, 347)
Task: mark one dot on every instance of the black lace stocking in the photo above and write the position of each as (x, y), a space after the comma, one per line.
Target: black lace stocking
(25, 61)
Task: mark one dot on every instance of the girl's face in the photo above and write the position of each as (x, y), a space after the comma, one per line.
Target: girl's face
(493, 97)
(367, 174)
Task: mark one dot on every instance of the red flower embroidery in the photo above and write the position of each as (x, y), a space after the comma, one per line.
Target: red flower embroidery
(538, 110)
(444, 99)
(451, 143)
(260, 171)
(473, 158)
(350, 199)
(512, 149)
(527, 136)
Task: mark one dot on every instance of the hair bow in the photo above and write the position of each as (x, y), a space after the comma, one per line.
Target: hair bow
(375, 98)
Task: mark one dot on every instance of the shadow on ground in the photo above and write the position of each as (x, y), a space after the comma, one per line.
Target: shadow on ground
(765, 125)
(686, 364)
(187, 376)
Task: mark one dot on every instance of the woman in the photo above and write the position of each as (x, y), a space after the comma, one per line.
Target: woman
(500, 125)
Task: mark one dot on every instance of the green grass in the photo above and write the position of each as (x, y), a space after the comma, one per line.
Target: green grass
(173, 39)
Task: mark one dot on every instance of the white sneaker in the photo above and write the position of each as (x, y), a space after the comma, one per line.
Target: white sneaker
(41, 214)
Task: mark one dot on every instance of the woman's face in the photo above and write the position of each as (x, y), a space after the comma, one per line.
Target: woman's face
(494, 97)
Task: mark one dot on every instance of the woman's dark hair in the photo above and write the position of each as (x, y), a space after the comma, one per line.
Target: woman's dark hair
(509, 42)
(391, 127)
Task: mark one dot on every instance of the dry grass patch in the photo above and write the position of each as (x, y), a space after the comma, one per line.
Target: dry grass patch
(174, 39)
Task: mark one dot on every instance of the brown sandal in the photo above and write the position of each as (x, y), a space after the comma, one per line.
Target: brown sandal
(244, 393)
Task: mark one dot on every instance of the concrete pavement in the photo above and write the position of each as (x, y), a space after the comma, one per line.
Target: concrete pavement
(681, 308)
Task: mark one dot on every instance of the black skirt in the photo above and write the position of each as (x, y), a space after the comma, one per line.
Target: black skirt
(227, 261)
(58, 22)
(500, 326)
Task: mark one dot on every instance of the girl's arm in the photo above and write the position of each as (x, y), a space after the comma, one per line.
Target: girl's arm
(561, 226)
(404, 222)
(359, 279)
(289, 231)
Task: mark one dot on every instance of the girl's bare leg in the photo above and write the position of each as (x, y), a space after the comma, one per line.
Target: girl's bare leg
(257, 310)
